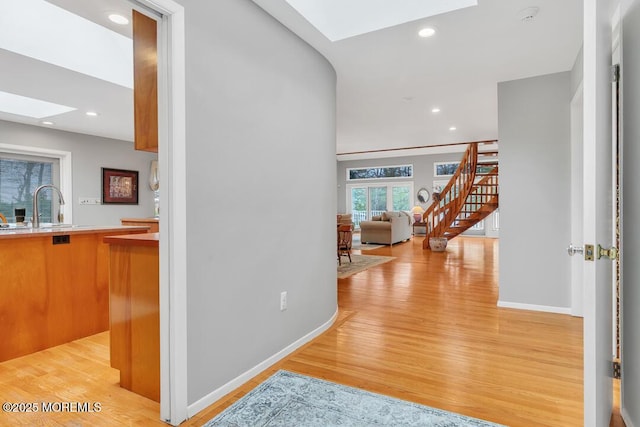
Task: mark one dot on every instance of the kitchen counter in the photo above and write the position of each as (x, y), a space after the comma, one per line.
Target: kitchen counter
(55, 285)
(14, 232)
(152, 223)
(147, 239)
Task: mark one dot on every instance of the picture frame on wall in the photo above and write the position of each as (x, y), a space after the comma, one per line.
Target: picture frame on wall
(119, 186)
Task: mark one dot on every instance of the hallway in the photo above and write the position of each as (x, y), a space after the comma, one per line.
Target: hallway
(425, 328)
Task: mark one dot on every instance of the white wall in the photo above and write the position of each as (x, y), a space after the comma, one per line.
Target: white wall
(261, 191)
(534, 135)
(89, 155)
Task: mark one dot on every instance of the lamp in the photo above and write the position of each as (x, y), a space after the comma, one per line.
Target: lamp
(417, 212)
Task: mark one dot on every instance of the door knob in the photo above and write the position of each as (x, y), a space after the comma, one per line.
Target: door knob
(611, 253)
(572, 250)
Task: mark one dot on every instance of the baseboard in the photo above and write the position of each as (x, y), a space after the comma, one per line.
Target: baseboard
(626, 418)
(217, 394)
(533, 307)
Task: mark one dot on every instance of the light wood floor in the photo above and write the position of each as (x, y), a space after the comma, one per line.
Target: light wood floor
(424, 327)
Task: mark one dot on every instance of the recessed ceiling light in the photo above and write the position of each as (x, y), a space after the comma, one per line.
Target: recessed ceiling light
(91, 113)
(435, 110)
(453, 128)
(46, 122)
(118, 19)
(426, 32)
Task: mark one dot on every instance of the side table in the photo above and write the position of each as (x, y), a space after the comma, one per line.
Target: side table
(419, 228)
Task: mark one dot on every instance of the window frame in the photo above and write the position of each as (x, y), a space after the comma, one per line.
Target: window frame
(66, 173)
(349, 179)
(480, 164)
(435, 169)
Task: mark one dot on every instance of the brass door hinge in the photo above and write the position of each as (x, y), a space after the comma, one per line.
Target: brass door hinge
(617, 369)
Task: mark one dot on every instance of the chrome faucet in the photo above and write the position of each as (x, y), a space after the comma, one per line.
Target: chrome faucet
(35, 222)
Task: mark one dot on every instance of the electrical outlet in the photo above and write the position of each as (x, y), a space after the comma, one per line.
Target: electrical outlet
(89, 200)
(283, 301)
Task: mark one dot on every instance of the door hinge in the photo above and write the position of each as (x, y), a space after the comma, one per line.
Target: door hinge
(615, 73)
(617, 369)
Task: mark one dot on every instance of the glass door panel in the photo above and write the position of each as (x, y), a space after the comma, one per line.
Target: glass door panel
(358, 205)
(377, 201)
(401, 198)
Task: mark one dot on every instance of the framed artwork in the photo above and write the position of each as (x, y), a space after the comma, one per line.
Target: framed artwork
(119, 186)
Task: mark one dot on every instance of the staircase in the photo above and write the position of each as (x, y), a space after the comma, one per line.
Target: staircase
(469, 197)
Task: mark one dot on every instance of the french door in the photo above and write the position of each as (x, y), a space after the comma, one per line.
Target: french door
(365, 201)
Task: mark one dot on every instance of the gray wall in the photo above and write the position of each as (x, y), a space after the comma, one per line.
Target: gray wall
(422, 170)
(534, 134)
(261, 180)
(631, 212)
(89, 155)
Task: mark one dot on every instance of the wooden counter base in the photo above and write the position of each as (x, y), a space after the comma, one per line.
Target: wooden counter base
(135, 313)
(54, 287)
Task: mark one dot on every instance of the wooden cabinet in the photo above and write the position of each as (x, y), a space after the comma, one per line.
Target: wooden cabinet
(54, 289)
(152, 223)
(145, 82)
(135, 312)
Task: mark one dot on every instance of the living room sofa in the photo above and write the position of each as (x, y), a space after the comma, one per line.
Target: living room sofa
(387, 229)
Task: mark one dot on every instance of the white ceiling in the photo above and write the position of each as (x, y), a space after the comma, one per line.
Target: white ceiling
(26, 76)
(388, 80)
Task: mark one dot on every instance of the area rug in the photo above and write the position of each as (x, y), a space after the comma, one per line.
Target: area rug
(357, 244)
(360, 263)
(289, 399)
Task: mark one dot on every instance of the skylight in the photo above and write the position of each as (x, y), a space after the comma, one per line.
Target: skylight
(340, 19)
(30, 107)
(33, 28)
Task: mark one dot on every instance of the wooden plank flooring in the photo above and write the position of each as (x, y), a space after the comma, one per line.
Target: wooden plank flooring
(77, 372)
(424, 327)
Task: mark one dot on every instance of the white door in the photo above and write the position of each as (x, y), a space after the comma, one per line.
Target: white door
(597, 208)
(630, 240)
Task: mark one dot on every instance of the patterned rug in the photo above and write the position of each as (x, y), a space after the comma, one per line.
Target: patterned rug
(288, 399)
(360, 263)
